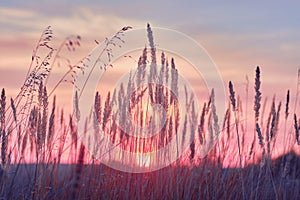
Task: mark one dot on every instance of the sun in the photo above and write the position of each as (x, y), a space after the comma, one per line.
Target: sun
(143, 159)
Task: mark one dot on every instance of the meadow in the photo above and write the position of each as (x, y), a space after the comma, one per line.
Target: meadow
(43, 155)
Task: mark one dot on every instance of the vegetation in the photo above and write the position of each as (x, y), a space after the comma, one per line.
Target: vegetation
(43, 157)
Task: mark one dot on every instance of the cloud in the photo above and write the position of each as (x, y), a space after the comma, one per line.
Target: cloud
(21, 29)
(82, 21)
(16, 13)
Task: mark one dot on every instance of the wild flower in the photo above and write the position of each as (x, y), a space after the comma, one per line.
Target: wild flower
(296, 126)
(257, 93)
(287, 104)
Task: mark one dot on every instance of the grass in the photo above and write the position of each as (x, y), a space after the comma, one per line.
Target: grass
(43, 156)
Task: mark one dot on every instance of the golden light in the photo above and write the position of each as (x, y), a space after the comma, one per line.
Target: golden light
(143, 159)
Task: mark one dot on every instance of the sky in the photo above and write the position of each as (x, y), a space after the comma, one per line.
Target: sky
(238, 36)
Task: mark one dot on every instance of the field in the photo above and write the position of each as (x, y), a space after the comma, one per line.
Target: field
(45, 155)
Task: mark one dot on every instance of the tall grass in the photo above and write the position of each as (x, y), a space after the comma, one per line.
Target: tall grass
(37, 137)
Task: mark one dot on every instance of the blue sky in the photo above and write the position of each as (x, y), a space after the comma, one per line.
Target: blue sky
(241, 16)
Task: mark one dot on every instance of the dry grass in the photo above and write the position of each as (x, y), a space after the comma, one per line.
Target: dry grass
(36, 136)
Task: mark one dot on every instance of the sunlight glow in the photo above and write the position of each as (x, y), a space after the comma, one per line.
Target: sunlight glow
(143, 159)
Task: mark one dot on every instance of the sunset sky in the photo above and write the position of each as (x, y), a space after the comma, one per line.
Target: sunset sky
(238, 36)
